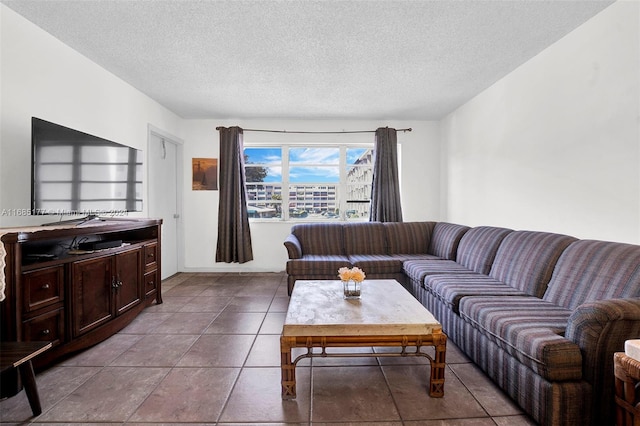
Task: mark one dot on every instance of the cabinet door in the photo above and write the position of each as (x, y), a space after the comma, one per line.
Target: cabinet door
(92, 290)
(129, 280)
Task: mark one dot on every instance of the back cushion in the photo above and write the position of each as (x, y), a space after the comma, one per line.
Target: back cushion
(595, 270)
(478, 247)
(445, 239)
(525, 259)
(365, 238)
(320, 238)
(408, 237)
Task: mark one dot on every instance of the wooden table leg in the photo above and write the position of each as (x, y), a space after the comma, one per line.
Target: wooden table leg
(288, 369)
(436, 381)
(30, 388)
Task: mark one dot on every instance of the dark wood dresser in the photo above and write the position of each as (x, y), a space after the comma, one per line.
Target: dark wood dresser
(76, 285)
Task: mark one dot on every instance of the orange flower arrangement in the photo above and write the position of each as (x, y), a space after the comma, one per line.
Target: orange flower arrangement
(354, 274)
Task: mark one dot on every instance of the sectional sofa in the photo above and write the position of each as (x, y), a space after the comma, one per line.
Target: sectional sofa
(541, 313)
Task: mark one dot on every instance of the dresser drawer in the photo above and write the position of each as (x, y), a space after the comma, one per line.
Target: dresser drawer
(42, 287)
(150, 257)
(48, 327)
(150, 282)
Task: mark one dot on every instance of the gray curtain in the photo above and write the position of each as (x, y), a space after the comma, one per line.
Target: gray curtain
(385, 191)
(234, 235)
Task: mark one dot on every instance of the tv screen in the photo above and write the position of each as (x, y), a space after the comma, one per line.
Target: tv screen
(77, 173)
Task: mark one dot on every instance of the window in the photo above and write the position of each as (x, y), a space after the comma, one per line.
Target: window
(291, 182)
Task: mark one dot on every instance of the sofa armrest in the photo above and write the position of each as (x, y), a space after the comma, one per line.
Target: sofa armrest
(600, 328)
(294, 248)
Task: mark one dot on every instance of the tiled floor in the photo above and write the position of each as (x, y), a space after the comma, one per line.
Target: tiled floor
(210, 355)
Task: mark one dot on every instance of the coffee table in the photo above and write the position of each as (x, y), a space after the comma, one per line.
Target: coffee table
(386, 315)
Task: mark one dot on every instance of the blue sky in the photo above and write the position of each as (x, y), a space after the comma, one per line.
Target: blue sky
(321, 164)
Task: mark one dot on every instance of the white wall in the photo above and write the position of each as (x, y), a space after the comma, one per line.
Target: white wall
(42, 77)
(555, 145)
(420, 186)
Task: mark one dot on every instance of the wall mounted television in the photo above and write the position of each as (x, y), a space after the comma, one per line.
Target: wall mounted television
(74, 173)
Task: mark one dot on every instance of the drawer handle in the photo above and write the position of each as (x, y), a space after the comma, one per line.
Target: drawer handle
(46, 286)
(45, 332)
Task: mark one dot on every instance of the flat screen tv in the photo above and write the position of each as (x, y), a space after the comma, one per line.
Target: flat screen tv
(74, 173)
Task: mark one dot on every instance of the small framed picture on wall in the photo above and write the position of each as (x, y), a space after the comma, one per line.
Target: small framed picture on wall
(205, 174)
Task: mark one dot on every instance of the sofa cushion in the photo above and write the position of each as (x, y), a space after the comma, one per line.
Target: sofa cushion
(416, 256)
(450, 289)
(311, 264)
(418, 269)
(529, 329)
(595, 270)
(478, 247)
(376, 264)
(408, 237)
(445, 239)
(365, 238)
(320, 238)
(525, 259)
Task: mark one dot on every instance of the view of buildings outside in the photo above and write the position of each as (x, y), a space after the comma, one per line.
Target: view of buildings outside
(314, 190)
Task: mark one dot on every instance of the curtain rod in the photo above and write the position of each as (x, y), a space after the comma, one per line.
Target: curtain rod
(316, 132)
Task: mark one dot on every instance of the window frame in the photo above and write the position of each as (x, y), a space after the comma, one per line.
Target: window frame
(341, 186)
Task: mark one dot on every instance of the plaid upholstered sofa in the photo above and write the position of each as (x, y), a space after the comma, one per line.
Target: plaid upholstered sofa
(540, 313)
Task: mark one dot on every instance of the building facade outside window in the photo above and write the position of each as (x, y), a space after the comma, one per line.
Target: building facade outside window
(313, 183)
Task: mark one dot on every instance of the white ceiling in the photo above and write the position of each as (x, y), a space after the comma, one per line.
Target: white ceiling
(309, 59)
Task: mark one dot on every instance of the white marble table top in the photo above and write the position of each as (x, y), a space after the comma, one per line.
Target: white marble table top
(317, 308)
(632, 349)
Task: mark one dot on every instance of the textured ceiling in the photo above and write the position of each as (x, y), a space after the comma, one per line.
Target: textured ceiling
(309, 59)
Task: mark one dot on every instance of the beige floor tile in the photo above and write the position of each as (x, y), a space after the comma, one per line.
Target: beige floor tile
(146, 322)
(229, 322)
(266, 352)
(220, 290)
(210, 355)
(265, 424)
(370, 423)
(185, 289)
(521, 420)
(218, 350)
(206, 304)
(53, 384)
(156, 350)
(273, 322)
(249, 304)
(170, 304)
(188, 395)
(280, 303)
(104, 353)
(111, 395)
(186, 323)
(483, 421)
(256, 398)
(409, 385)
(490, 396)
(75, 424)
(351, 394)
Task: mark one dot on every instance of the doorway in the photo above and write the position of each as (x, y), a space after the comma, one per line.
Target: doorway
(164, 170)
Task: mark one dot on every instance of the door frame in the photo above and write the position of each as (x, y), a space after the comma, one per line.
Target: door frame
(179, 143)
